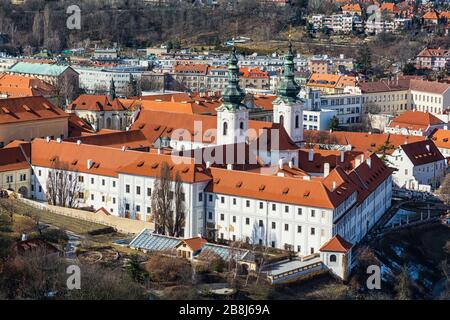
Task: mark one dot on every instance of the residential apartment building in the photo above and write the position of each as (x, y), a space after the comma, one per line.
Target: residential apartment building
(415, 123)
(347, 107)
(441, 139)
(434, 59)
(420, 166)
(95, 80)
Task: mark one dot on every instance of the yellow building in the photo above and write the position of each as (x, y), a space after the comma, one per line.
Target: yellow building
(31, 117)
(15, 170)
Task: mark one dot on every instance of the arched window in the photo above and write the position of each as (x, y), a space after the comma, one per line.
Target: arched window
(241, 125)
(297, 122)
(282, 120)
(225, 128)
(333, 258)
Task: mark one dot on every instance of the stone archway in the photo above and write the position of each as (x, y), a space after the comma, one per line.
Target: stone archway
(23, 191)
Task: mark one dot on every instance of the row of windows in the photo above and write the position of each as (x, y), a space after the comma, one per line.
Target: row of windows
(10, 178)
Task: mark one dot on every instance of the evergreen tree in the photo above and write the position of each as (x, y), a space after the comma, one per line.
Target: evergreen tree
(364, 60)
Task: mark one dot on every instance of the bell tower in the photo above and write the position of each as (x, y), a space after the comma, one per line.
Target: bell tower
(288, 108)
(232, 115)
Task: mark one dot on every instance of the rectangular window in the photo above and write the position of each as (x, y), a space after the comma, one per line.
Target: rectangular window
(138, 208)
(313, 231)
(127, 206)
(81, 195)
(92, 180)
(222, 217)
(299, 211)
(247, 221)
(247, 203)
(222, 199)
(127, 188)
(210, 215)
(261, 205)
(210, 198)
(114, 184)
(274, 207)
(299, 229)
(313, 213)
(273, 244)
(103, 198)
(261, 223)
(92, 197)
(114, 200)
(138, 190)
(103, 182)
(149, 210)
(234, 201)
(234, 219)
(149, 192)
(286, 227)
(274, 225)
(286, 209)
(200, 197)
(80, 179)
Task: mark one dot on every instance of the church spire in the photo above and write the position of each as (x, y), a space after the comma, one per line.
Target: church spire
(232, 95)
(112, 90)
(288, 88)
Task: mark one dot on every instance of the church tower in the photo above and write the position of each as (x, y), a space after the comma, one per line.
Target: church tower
(232, 115)
(288, 108)
(112, 91)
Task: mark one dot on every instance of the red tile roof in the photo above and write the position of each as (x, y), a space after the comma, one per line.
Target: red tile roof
(336, 244)
(14, 110)
(96, 103)
(194, 243)
(441, 138)
(78, 126)
(108, 161)
(13, 158)
(360, 141)
(429, 86)
(132, 139)
(422, 152)
(415, 120)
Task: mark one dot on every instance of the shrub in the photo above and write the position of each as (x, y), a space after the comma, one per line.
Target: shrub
(167, 269)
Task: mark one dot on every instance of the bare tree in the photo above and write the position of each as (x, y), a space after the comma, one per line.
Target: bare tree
(444, 190)
(162, 200)
(63, 187)
(179, 217)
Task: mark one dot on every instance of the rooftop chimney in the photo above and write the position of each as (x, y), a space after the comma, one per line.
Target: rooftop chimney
(47, 139)
(280, 163)
(357, 162)
(90, 163)
(310, 155)
(326, 169)
(78, 142)
(229, 166)
(159, 150)
(428, 147)
(369, 162)
(58, 140)
(291, 164)
(342, 156)
(124, 148)
(334, 185)
(24, 237)
(208, 164)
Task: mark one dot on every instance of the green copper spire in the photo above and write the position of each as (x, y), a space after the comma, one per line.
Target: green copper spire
(232, 95)
(288, 88)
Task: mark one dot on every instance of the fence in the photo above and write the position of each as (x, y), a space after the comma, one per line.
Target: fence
(120, 224)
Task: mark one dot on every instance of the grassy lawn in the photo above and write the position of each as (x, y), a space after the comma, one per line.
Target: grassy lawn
(23, 212)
